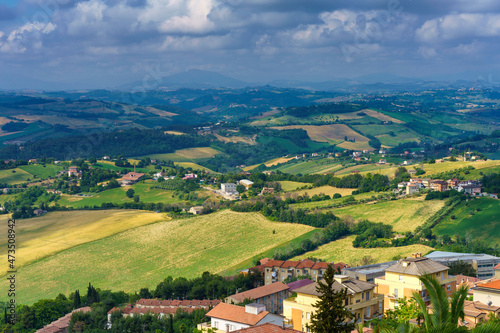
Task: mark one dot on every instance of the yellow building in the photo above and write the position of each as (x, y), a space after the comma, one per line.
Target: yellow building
(361, 300)
(402, 278)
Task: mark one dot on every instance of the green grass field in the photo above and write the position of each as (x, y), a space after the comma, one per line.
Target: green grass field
(342, 251)
(288, 186)
(42, 236)
(193, 166)
(483, 224)
(404, 214)
(144, 256)
(117, 195)
(18, 177)
(42, 172)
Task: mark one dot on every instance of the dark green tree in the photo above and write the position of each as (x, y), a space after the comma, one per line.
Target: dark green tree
(130, 193)
(77, 301)
(461, 267)
(331, 316)
(92, 295)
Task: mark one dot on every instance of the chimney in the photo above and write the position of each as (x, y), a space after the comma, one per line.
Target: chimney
(283, 325)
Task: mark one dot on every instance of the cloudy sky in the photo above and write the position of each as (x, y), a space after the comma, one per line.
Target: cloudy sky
(100, 43)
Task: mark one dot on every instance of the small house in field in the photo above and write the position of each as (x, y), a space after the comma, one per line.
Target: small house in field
(267, 190)
(73, 171)
(247, 183)
(131, 178)
(196, 210)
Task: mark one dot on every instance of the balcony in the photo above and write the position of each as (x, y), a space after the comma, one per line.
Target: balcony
(363, 304)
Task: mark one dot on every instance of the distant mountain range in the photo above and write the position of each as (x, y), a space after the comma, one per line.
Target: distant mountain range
(200, 79)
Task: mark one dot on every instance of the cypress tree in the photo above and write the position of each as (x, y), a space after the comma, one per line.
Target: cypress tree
(331, 316)
(77, 302)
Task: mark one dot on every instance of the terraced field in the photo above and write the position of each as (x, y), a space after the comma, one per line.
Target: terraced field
(144, 256)
(342, 251)
(404, 214)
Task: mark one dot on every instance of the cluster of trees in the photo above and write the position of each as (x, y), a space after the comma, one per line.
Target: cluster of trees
(326, 108)
(368, 234)
(131, 142)
(207, 286)
(279, 210)
(491, 183)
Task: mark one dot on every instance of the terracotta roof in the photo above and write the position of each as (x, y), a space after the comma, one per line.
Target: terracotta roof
(273, 263)
(353, 287)
(497, 266)
(266, 328)
(287, 264)
(306, 263)
(264, 261)
(320, 265)
(132, 176)
(236, 314)
(491, 285)
(259, 292)
(171, 303)
(62, 323)
(417, 266)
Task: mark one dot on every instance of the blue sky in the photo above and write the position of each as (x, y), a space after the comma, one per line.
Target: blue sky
(97, 43)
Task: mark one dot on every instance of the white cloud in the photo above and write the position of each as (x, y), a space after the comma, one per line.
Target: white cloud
(458, 26)
(178, 16)
(27, 36)
(86, 16)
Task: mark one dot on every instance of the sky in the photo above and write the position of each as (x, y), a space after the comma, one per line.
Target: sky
(106, 43)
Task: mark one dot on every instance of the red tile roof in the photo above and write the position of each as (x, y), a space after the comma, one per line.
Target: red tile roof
(61, 324)
(260, 292)
(497, 266)
(266, 328)
(236, 314)
(132, 176)
(491, 285)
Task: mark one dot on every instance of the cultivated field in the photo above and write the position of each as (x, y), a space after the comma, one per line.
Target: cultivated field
(404, 214)
(193, 166)
(236, 139)
(288, 186)
(479, 217)
(342, 251)
(144, 256)
(322, 166)
(117, 195)
(329, 190)
(329, 133)
(431, 169)
(188, 155)
(381, 116)
(46, 235)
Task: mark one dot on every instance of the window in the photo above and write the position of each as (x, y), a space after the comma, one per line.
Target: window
(423, 293)
(216, 324)
(396, 292)
(267, 277)
(346, 301)
(442, 275)
(282, 270)
(367, 295)
(368, 311)
(448, 287)
(401, 278)
(308, 315)
(362, 295)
